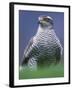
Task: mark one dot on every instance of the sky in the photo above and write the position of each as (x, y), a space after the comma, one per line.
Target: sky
(28, 24)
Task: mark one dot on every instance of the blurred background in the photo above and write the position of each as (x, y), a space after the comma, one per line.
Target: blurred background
(28, 24)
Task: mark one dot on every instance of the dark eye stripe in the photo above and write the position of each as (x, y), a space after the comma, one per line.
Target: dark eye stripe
(48, 20)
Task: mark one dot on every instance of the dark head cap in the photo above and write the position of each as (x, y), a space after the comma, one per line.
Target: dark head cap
(45, 19)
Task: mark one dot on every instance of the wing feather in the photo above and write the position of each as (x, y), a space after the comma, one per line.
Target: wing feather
(27, 52)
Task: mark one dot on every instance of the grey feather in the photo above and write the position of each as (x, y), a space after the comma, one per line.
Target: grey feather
(27, 52)
(44, 48)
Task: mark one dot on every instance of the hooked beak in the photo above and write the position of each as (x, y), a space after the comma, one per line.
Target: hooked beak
(39, 22)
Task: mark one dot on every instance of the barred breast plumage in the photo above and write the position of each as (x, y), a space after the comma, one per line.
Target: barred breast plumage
(44, 48)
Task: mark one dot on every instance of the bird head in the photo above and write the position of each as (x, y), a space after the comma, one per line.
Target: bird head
(45, 21)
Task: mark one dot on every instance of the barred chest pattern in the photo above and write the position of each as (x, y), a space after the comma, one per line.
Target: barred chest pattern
(45, 47)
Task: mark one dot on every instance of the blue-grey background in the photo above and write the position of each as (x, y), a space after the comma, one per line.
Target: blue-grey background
(28, 24)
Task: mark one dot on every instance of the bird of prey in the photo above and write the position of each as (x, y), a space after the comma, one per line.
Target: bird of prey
(44, 48)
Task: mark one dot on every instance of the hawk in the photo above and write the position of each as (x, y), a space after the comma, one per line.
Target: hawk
(44, 48)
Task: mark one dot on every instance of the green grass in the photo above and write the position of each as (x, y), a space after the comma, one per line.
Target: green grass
(48, 72)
